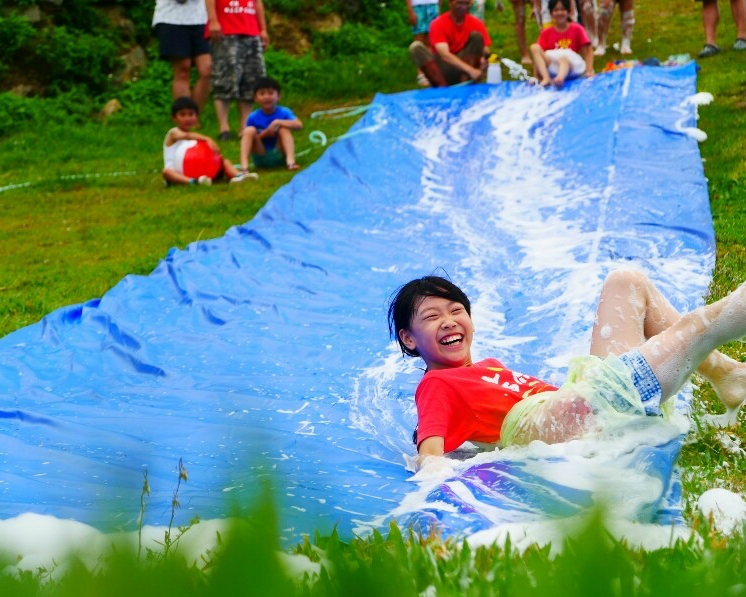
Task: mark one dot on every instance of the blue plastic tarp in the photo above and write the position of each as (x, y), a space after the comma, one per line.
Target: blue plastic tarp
(265, 354)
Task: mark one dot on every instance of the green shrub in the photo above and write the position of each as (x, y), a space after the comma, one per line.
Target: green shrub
(149, 98)
(72, 59)
(73, 106)
(15, 33)
(354, 39)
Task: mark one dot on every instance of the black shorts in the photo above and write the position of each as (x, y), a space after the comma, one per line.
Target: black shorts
(181, 41)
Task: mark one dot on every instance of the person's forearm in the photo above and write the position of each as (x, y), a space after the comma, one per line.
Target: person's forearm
(212, 14)
(260, 16)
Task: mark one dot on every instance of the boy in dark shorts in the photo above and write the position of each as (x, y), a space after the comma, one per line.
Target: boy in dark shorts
(268, 136)
(642, 351)
(238, 36)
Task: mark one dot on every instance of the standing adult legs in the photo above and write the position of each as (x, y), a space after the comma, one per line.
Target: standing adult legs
(519, 26)
(627, 10)
(201, 89)
(602, 25)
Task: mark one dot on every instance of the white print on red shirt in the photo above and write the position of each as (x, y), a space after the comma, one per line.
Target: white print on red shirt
(518, 379)
(234, 7)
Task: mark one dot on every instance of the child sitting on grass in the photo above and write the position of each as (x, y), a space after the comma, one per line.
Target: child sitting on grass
(268, 136)
(180, 139)
(642, 351)
(557, 53)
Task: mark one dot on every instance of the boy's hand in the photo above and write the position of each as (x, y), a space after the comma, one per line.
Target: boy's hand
(265, 39)
(212, 145)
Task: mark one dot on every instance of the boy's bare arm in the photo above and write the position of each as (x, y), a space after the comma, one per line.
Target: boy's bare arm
(431, 446)
(273, 128)
(176, 134)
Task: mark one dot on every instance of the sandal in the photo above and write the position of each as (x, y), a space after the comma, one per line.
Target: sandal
(708, 50)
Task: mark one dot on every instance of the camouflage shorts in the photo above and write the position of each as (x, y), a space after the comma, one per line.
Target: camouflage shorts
(237, 62)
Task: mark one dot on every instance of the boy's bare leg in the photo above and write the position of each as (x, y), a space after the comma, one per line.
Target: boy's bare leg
(519, 12)
(626, 7)
(201, 90)
(221, 112)
(286, 143)
(229, 169)
(173, 177)
(562, 70)
(588, 10)
(602, 25)
(540, 61)
(632, 310)
(250, 143)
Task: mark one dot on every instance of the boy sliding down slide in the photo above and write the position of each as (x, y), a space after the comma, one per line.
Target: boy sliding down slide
(642, 351)
(180, 139)
(557, 53)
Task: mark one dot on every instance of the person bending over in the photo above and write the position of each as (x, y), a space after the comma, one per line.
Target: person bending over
(642, 351)
(459, 46)
(557, 53)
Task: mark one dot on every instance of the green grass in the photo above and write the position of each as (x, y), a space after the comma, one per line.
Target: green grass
(66, 241)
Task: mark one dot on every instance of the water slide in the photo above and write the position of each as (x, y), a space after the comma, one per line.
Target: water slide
(264, 354)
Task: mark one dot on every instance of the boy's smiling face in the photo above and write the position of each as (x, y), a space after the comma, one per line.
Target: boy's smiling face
(441, 331)
(185, 119)
(267, 99)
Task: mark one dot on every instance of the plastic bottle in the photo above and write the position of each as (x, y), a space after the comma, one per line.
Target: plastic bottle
(494, 72)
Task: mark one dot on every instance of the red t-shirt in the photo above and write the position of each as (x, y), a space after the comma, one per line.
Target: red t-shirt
(444, 30)
(573, 38)
(236, 17)
(470, 403)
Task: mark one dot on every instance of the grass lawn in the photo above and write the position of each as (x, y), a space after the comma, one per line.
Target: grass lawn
(65, 240)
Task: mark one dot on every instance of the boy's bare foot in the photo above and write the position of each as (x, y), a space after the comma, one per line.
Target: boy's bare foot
(293, 166)
(558, 83)
(526, 60)
(545, 82)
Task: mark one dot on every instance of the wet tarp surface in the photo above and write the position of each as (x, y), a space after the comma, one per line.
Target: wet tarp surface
(265, 353)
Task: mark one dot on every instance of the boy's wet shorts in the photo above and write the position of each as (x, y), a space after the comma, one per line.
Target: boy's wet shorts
(644, 380)
(237, 62)
(426, 14)
(271, 159)
(181, 41)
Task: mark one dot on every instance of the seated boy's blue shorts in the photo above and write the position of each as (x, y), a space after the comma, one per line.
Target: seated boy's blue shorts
(645, 381)
(272, 158)
(426, 14)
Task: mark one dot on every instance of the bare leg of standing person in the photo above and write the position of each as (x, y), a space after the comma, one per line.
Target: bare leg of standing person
(602, 25)
(201, 90)
(627, 10)
(588, 10)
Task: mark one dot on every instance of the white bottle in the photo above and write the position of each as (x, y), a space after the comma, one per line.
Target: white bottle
(494, 73)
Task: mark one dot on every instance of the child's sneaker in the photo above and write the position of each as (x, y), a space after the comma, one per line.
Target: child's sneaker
(204, 181)
(241, 176)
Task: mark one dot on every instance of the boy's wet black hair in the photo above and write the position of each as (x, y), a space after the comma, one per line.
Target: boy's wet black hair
(553, 3)
(266, 83)
(184, 103)
(405, 300)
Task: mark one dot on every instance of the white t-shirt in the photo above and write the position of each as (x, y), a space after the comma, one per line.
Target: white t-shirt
(173, 12)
